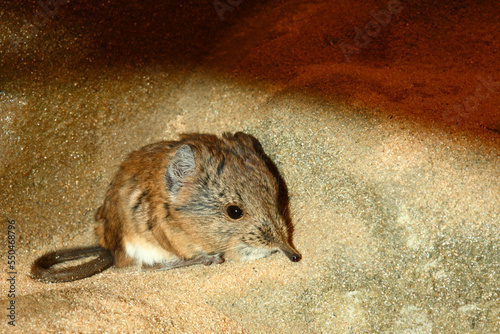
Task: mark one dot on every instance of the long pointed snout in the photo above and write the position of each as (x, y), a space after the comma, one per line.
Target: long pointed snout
(290, 253)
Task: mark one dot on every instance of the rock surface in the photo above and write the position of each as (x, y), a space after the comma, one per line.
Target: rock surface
(382, 116)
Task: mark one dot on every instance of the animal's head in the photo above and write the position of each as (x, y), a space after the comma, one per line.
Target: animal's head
(229, 195)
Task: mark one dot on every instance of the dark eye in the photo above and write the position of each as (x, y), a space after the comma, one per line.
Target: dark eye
(234, 212)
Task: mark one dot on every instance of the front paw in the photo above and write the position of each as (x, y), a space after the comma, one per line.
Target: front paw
(217, 259)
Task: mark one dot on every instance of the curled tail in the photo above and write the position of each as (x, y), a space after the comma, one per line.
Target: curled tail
(42, 269)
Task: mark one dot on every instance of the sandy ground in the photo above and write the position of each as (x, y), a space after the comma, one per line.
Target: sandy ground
(382, 116)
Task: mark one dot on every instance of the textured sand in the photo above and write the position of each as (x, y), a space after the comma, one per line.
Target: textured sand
(395, 191)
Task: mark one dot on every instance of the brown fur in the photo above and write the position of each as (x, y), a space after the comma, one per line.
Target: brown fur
(172, 198)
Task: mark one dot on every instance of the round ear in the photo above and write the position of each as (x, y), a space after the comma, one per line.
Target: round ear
(181, 166)
(250, 141)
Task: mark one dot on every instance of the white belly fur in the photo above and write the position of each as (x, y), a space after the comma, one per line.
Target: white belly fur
(146, 253)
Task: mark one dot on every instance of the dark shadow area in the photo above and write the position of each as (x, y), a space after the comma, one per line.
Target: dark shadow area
(115, 32)
(431, 62)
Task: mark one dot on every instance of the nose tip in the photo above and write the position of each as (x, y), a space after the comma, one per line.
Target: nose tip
(292, 255)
